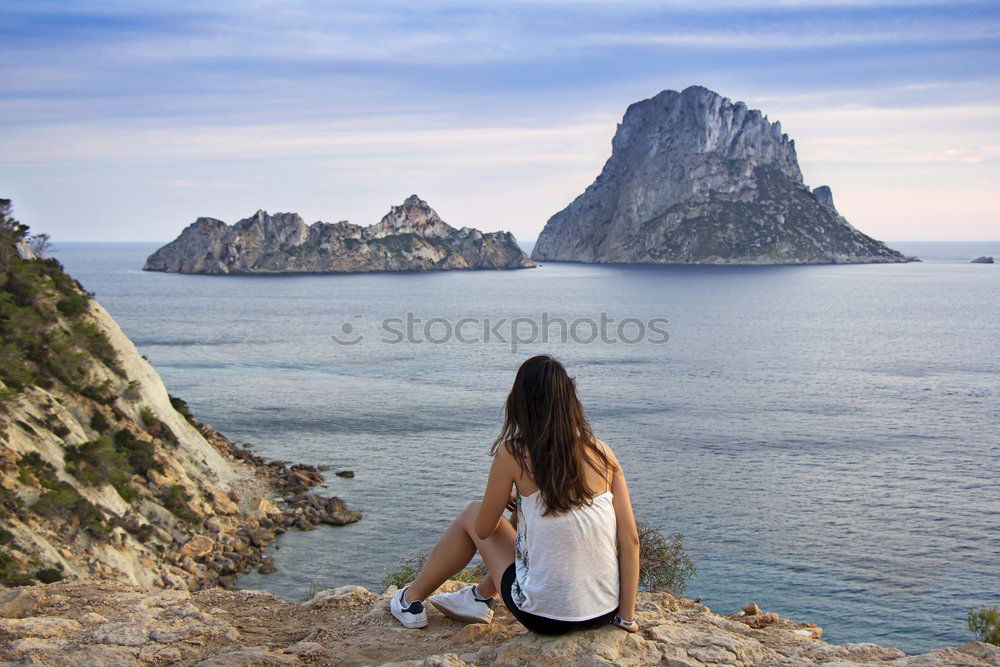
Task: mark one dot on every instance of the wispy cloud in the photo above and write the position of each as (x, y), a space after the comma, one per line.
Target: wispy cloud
(810, 37)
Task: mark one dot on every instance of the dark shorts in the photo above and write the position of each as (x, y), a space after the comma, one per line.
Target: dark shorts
(540, 624)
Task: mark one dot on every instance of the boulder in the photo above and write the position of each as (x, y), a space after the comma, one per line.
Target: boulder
(197, 547)
(19, 602)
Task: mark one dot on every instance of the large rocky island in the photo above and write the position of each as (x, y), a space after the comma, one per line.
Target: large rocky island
(410, 237)
(696, 179)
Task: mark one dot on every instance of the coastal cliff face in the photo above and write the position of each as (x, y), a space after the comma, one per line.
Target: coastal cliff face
(102, 473)
(83, 623)
(694, 178)
(411, 237)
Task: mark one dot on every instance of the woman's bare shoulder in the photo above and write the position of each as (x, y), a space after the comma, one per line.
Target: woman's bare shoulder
(606, 450)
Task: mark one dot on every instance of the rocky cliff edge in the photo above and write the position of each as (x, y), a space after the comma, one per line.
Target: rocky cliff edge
(78, 623)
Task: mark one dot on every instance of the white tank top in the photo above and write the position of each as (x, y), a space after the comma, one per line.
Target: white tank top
(566, 565)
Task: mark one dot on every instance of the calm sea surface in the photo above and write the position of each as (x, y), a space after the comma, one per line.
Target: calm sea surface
(825, 437)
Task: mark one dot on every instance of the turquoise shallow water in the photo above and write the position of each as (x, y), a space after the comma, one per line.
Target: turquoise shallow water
(825, 437)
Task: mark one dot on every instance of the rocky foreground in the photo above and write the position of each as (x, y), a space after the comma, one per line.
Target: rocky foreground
(410, 237)
(86, 622)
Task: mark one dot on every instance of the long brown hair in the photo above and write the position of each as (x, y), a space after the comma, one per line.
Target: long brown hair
(548, 434)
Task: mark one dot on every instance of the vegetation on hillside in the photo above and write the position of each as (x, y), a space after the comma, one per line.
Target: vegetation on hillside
(44, 335)
(48, 340)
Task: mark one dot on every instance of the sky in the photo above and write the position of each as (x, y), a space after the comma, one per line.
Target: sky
(125, 121)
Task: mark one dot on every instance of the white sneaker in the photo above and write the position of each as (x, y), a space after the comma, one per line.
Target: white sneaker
(463, 606)
(412, 616)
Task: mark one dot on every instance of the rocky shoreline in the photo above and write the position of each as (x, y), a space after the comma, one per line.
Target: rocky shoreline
(219, 556)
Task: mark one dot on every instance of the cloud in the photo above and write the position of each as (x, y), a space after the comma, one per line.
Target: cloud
(810, 37)
(185, 184)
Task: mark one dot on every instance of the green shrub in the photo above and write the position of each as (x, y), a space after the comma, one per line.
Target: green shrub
(156, 428)
(15, 371)
(985, 624)
(93, 339)
(8, 566)
(138, 453)
(181, 406)
(98, 462)
(49, 575)
(10, 502)
(71, 306)
(62, 502)
(132, 390)
(6, 537)
(99, 422)
(664, 566)
(176, 500)
(407, 569)
(33, 466)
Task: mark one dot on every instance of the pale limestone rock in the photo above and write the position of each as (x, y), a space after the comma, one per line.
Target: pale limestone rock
(262, 507)
(608, 645)
(34, 645)
(92, 618)
(341, 594)
(257, 656)
(38, 626)
(306, 649)
(197, 547)
(19, 602)
(24, 250)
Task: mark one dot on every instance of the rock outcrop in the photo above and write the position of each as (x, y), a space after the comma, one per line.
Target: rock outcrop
(983, 260)
(103, 474)
(694, 178)
(85, 623)
(411, 237)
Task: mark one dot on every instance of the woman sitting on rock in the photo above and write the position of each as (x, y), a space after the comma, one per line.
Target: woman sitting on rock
(572, 562)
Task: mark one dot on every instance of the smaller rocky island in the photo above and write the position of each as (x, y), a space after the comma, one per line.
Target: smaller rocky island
(410, 237)
(983, 260)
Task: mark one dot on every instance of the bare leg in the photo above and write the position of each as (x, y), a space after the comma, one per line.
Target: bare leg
(455, 549)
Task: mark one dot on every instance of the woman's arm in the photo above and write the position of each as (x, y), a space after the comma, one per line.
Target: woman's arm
(628, 547)
(498, 493)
